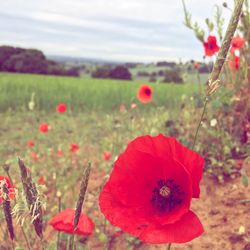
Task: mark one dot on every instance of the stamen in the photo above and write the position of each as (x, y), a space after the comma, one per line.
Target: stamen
(165, 191)
(166, 195)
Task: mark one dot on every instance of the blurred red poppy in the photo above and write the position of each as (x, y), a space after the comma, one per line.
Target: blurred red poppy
(74, 148)
(234, 63)
(4, 179)
(150, 189)
(144, 94)
(196, 65)
(41, 181)
(237, 43)
(61, 108)
(60, 153)
(44, 127)
(64, 221)
(34, 156)
(106, 155)
(30, 144)
(210, 46)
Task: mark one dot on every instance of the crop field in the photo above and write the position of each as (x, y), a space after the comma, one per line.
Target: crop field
(82, 94)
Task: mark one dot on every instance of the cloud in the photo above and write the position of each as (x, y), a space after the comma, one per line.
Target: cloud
(141, 30)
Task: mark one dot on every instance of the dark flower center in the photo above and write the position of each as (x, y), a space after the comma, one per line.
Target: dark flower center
(148, 92)
(211, 46)
(166, 195)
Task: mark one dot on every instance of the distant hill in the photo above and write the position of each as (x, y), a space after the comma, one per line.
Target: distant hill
(20, 60)
(81, 60)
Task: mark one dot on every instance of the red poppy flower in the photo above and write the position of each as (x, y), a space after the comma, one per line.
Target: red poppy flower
(60, 153)
(30, 144)
(234, 63)
(44, 127)
(210, 46)
(74, 148)
(196, 65)
(6, 180)
(150, 189)
(41, 181)
(64, 221)
(34, 156)
(61, 108)
(106, 155)
(237, 43)
(144, 94)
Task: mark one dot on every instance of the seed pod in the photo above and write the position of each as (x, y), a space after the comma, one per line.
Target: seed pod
(7, 210)
(32, 198)
(83, 188)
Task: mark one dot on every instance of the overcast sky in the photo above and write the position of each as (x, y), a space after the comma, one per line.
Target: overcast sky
(121, 30)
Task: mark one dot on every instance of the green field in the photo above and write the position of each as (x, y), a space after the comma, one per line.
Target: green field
(82, 93)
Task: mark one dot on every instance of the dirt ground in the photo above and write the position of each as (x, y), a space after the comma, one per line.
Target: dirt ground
(222, 215)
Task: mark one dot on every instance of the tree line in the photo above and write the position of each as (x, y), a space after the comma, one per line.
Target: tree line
(19, 60)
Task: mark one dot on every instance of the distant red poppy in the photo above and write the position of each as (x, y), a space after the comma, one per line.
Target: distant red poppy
(234, 63)
(74, 147)
(150, 189)
(144, 94)
(30, 144)
(60, 153)
(196, 65)
(41, 180)
(44, 127)
(64, 221)
(34, 156)
(61, 108)
(106, 155)
(4, 179)
(237, 43)
(210, 46)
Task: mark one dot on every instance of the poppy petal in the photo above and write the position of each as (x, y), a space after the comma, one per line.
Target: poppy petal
(184, 230)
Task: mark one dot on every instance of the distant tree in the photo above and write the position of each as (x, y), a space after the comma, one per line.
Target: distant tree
(120, 72)
(26, 62)
(101, 72)
(161, 73)
(152, 79)
(5, 53)
(204, 68)
(131, 65)
(30, 61)
(153, 74)
(143, 74)
(166, 64)
(173, 76)
(73, 71)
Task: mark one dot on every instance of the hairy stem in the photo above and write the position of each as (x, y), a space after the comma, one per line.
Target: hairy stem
(226, 41)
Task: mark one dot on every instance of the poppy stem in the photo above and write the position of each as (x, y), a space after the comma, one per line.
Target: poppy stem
(58, 194)
(199, 124)
(169, 246)
(71, 242)
(25, 237)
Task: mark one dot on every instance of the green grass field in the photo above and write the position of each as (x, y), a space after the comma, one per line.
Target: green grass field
(82, 93)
